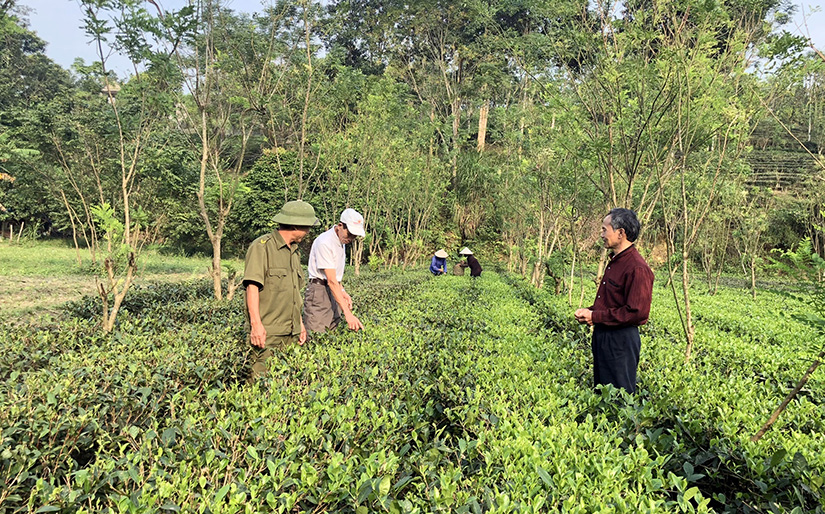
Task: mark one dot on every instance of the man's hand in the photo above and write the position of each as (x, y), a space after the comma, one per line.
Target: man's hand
(303, 337)
(352, 322)
(257, 336)
(584, 316)
(343, 298)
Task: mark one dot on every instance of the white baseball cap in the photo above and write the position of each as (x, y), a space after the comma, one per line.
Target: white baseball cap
(354, 222)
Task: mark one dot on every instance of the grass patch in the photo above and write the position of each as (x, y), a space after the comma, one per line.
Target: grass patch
(40, 276)
(59, 258)
(40, 258)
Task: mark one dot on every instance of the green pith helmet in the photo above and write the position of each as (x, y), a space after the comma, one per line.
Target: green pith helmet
(298, 213)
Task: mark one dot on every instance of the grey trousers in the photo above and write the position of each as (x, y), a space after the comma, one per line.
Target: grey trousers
(321, 311)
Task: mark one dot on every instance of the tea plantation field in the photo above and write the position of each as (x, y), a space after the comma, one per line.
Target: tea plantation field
(460, 396)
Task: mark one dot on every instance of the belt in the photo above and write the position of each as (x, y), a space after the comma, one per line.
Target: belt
(321, 281)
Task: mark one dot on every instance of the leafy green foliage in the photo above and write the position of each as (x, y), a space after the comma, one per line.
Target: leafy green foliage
(461, 395)
(271, 182)
(807, 267)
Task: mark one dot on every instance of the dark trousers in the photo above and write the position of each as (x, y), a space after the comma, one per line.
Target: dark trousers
(616, 356)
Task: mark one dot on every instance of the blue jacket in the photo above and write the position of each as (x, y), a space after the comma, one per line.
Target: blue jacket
(438, 266)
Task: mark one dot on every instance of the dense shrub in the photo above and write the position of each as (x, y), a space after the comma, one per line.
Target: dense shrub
(157, 296)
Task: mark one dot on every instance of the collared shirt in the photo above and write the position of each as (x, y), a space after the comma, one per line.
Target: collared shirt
(327, 253)
(626, 291)
(275, 268)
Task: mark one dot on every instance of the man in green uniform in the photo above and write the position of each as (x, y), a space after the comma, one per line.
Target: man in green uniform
(272, 283)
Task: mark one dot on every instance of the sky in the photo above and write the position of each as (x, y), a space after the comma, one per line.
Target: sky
(58, 22)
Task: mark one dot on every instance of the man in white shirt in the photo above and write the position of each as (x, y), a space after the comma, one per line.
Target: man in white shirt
(325, 296)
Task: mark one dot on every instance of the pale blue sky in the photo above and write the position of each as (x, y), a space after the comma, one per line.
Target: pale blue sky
(58, 23)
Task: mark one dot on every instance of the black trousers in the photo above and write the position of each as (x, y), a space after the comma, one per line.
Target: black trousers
(616, 356)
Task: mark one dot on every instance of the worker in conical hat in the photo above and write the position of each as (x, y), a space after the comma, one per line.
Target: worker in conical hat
(472, 262)
(438, 266)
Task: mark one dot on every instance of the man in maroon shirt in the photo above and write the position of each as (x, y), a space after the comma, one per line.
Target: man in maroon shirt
(622, 304)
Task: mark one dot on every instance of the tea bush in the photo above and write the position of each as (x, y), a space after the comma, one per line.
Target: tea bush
(460, 396)
(748, 356)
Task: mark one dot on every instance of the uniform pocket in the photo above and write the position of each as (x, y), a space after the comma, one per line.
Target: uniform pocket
(278, 278)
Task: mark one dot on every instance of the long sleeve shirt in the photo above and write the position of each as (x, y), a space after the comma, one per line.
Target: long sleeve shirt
(438, 265)
(626, 291)
(475, 267)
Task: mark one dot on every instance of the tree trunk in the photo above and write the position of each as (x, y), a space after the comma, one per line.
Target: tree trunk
(707, 265)
(307, 97)
(535, 279)
(753, 276)
(718, 276)
(74, 229)
(482, 125)
(602, 264)
(204, 213)
(456, 106)
(232, 285)
(573, 263)
(117, 288)
(686, 293)
(536, 276)
(215, 271)
(669, 245)
(357, 253)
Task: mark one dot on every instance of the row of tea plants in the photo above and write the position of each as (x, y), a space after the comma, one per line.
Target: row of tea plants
(461, 395)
